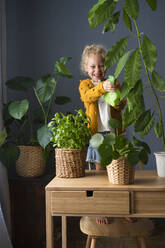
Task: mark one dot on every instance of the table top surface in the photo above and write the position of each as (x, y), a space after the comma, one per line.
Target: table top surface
(98, 180)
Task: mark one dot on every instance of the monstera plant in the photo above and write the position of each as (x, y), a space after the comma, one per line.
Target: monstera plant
(25, 120)
(134, 61)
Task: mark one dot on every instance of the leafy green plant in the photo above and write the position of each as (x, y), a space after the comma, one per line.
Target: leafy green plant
(112, 146)
(144, 56)
(70, 131)
(26, 124)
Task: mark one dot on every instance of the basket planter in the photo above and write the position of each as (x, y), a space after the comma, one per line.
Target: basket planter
(70, 163)
(30, 162)
(121, 172)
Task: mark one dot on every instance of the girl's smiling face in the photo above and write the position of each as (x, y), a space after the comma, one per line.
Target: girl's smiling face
(95, 67)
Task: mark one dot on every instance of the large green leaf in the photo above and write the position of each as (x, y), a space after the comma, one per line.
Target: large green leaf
(96, 140)
(128, 117)
(61, 70)
(133, 157)
(143, 120)
(100, 12)
(9, 155)
(64, 60)
(105, 150)
(140, 143)
(152, 4)
(158, 129)
(18, 109)
(132, 69)
(136, 95)
(127, 20)
(62, 100)
(121, 142)
(133, 111)
(148, 127)
(114, 123)
(131, 7)
(121, 63)
(20, 83)
(44, 135)
(45, 88)
(110, 139)
(111, 23)
(149, 53)
(143, 156)
(158, 81)
(105, 161)
(3, 136)
(124, 90)
(116, 52)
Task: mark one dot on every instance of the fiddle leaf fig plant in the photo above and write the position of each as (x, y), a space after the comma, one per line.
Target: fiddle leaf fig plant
(26, 124)
(143, 57)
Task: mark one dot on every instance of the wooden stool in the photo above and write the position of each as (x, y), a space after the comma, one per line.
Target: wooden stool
(118, 228)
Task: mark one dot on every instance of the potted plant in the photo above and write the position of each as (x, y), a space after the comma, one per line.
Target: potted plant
(119, 154)
(26, 129)
(144, 56)
(70, 137)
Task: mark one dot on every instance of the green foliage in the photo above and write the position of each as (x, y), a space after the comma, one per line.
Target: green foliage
(131, 7)
(45, 88)
(149, 53)
(70, 131)
(21, 116)
(116, 52)
(100, 12)
(152, 4)
(18, 109)
(158, 81)
(20, 83)
(121, 63)
(112, 146)
(9, 154)
(132, 69)
(144, 57)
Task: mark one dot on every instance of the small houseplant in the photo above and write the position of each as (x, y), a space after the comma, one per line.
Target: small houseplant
(120, 155)
(70, 137)
(144, 56)
(26, 125)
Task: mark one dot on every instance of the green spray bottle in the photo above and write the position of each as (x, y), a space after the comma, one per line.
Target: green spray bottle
(112, 98)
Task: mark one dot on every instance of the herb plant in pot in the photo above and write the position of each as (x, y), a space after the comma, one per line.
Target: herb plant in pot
(143, 59)
(119, 154)
(27, 134)
(70, 137)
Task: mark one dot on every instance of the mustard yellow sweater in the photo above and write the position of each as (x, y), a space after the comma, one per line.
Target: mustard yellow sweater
(89, 95)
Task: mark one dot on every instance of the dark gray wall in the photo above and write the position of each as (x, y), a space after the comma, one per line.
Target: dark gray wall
(39, 32)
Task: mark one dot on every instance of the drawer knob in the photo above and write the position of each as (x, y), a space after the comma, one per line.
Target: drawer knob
(89, 193)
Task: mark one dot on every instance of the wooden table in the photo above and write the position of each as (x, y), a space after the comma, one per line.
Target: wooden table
(94, 195)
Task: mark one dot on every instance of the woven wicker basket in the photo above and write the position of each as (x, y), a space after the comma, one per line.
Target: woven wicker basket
(30, 162)
(70, 163)
(121, 172)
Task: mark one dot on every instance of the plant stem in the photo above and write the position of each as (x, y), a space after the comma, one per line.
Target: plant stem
(50, 101)
(151, 85)
(45, 116)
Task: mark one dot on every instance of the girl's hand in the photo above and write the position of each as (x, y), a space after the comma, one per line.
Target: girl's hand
(109, 87)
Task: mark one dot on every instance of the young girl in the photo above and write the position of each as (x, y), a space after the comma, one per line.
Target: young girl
(91, 92)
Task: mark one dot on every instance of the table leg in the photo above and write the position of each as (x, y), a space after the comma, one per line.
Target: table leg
(49, 222)
(64, 232)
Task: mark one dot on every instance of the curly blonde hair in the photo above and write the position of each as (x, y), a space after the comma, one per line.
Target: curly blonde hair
(91, 50)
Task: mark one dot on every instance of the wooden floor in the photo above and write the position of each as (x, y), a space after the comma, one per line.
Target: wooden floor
(76, 239)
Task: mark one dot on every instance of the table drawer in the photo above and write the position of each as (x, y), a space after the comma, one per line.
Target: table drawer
(95, 202)
(150, 202)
